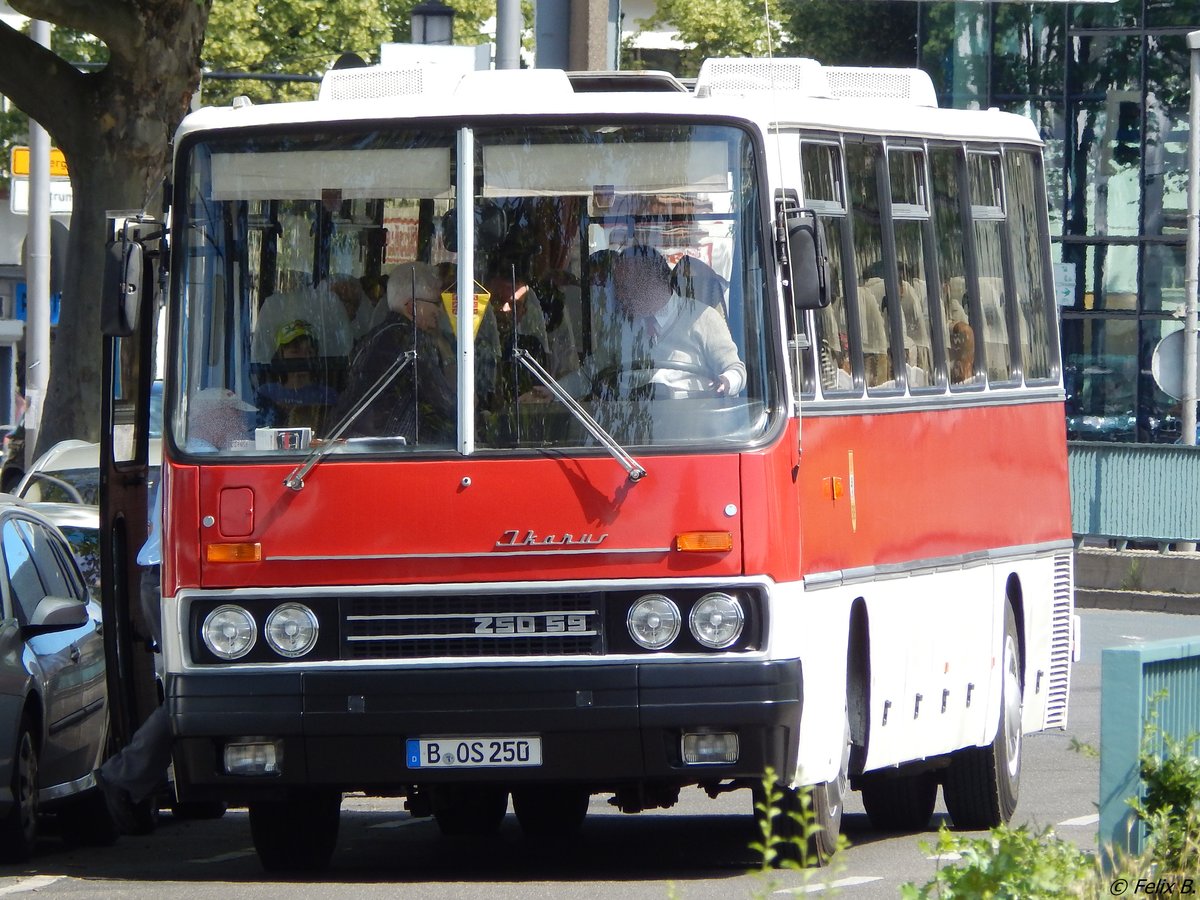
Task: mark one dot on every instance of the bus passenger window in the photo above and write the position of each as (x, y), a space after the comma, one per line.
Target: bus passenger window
(958, 330)
(1036, 338)
(863, 162)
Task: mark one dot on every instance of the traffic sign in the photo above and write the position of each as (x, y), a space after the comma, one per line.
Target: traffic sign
(19, 162)
(61, 197)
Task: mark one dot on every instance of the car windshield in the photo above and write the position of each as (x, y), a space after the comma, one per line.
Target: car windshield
(63, 486)
(623, 262)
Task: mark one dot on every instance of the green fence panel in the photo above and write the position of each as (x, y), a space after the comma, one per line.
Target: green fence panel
(1142, 492)
(1162, 678)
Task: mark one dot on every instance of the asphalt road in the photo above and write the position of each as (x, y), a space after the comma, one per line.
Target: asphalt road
(699, 849)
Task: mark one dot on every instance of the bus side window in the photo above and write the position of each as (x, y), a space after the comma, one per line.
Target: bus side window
(863, 164)
(1036, 337)
(824, 191)
(958, 329)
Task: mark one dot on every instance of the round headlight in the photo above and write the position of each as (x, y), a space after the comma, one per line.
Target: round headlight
(229, 632)
(292, 629)
(653, 621)
(716, 620)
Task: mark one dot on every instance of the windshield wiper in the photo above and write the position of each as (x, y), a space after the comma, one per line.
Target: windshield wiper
(295, 480)
(620, 454)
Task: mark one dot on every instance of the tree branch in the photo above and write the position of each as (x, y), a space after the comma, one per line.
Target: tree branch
(39, 82)
(115, 22)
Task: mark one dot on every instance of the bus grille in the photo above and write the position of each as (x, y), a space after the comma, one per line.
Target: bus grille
(1060, 648)
(420, 627)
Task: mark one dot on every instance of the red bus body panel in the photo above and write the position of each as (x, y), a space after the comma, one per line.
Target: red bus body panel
(926, 485)
(408, 521)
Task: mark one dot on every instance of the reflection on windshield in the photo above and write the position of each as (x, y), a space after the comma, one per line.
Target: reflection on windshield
(626, 261)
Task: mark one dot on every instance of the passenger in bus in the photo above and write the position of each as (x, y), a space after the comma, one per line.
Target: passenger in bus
(359, 308)
(295, 398)
(419, 403)
(532, 316)
(962, 353)
(217, 418)
(691, 351)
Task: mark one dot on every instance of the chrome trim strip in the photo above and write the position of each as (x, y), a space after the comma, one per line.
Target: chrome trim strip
(841, 406)
(390, 617)
(488, 555)
(67, 789)
(821, 580)
(467, 635)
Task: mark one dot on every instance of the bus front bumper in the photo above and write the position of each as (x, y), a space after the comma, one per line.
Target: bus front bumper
(600, 725)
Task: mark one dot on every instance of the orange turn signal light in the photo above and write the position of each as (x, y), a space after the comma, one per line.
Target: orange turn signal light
(235, 553)
(704, 541)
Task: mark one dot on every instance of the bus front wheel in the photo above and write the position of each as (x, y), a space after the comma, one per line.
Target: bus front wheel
(298, 834)
(982, 783)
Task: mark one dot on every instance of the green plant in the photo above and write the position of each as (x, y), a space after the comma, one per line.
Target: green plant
(787, 824)
(1008, 862)
(1170, 803)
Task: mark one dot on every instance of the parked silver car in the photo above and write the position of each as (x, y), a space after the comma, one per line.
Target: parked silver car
(53, 693)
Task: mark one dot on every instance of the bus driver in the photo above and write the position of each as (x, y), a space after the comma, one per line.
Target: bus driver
(691, 349)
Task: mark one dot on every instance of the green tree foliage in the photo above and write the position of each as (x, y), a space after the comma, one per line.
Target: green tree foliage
(305, 37)
(867, 33)
(113, 123)
(716, 28)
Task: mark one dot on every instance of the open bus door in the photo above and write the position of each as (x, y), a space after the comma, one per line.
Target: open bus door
(129, 307)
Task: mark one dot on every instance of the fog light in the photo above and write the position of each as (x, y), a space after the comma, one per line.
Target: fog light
(710, 748)
(257, 756)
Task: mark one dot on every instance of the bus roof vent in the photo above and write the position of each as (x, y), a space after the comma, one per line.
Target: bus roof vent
(405, 70)
(910, 86)
(735, 77)
(370, 82)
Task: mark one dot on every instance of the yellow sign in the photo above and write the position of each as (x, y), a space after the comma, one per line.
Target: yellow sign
(19, 162)
(450, 301)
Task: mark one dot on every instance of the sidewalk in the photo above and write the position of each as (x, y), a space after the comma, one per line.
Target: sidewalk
(1137, 579)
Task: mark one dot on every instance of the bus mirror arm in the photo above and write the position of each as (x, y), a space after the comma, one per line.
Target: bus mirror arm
(295, 479)
(635, 472)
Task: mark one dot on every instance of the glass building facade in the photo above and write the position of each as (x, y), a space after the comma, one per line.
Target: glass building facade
(1108, 87)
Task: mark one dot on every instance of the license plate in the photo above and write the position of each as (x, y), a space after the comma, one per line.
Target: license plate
(473, 753)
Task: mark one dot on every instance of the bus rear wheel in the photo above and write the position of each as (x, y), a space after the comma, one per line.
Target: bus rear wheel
(548, 811)
(982, 783)
(469, 810)
(298, 834)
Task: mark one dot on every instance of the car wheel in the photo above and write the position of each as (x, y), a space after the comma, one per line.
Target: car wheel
(18, 831)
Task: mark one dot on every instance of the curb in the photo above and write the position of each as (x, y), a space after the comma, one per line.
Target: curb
(1137, 601)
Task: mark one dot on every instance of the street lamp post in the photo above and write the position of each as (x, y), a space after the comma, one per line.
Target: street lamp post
(432, 23)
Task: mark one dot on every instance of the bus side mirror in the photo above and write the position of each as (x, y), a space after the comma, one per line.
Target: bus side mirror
(808, 259)
(124, 275)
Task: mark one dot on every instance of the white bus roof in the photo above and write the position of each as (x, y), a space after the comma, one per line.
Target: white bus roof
(800, 102)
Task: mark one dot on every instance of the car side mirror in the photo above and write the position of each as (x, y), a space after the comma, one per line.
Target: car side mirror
(56, 614)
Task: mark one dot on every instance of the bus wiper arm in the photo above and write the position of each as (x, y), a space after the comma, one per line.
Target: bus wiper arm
(295, 480)
(620, 454)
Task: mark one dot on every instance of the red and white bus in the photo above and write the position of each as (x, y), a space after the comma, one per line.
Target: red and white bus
(555, 561)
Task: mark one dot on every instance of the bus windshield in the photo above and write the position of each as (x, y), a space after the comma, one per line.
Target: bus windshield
(318, 289)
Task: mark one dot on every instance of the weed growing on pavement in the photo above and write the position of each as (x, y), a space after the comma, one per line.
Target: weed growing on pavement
(787, 824)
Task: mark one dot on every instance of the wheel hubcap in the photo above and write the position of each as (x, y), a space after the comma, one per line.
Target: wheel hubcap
(1012, 707)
